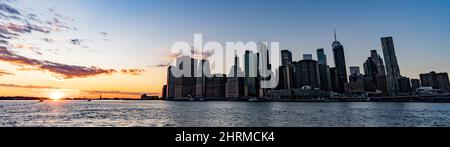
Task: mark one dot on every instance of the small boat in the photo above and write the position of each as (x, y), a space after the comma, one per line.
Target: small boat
(40, 101)
(89, 100)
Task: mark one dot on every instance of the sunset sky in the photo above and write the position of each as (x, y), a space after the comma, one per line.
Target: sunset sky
(118, 48)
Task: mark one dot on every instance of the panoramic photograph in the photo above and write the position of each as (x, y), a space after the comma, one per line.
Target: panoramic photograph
(224, 63)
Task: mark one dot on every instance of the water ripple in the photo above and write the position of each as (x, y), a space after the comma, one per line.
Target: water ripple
(221, 114)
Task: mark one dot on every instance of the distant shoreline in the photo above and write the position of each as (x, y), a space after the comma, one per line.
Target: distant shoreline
(425, 98)
(64, 99)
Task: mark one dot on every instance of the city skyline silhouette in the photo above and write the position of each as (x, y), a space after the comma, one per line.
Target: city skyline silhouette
(122, 49)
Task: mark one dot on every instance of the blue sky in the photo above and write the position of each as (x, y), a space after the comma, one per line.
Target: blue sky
(142, 31)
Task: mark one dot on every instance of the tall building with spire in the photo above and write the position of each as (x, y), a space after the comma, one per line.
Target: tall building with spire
(341, 67)
(392, 68)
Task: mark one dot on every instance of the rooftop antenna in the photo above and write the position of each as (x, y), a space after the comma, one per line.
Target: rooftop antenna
(335, 38)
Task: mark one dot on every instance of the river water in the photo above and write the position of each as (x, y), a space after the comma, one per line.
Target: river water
(221, 114)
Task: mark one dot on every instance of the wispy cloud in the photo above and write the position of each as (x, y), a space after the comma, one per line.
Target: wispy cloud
(28, 47)
(48, 40)
(162, 65)
(3, 42)
(17, 23)
(14, 28)
(4, 37)
(4, 72)
(79, 42)
(28, 86)
(67, 71)
(75, 41)
(117, 92)
(167, 60)
(133, 71)
(28, 69)
(171, 57)
(103, 33)
(4, 7)
(64, 70)
(202, 54)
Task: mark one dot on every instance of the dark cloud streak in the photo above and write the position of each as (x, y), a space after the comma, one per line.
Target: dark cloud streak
(28, 86)
(202, 55)
(4, 37)
(132, 71)
(27, 28)
(67, 71)
(162, 65)
(4, 7)
(116, 92)
(3, 73)
(75, 41)
(3, 42)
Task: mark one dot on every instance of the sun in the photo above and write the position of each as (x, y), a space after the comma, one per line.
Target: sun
(56, 95)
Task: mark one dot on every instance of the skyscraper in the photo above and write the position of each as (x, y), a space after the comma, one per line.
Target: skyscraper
(374, 64)
(251, 68)
(216, 86)
(184, 86)
(264, 70)
(355, 74)
(355, 70)
(321, 56)
(415, 84)
(405, 85)
(334, 79)
(355, 84)
(286, 71)
(324, 70)
(286, 77)
(341, 67)
(286, 57)
(392, 68)
(164, 92)
(234, 87)
(203, 70)
(307, 56)
(236, 70)
(375, 74)
(170, 84)
(307, 74)
(264, 55)
(435, 80)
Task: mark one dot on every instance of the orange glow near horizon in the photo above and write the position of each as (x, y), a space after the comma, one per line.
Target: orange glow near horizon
(42, 84)
(56, 95)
